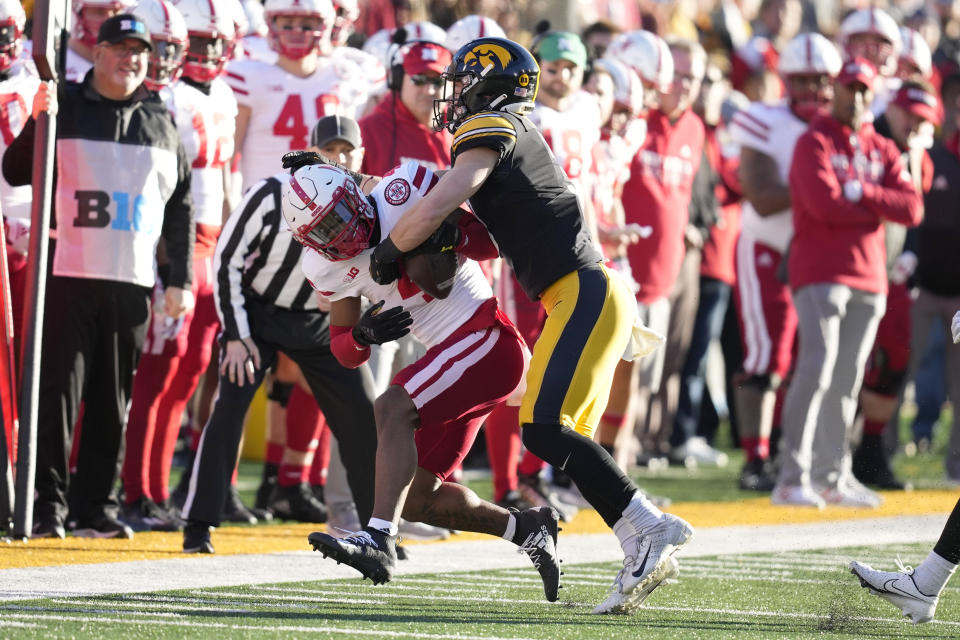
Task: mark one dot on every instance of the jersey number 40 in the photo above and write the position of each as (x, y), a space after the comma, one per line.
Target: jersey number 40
(291, 121)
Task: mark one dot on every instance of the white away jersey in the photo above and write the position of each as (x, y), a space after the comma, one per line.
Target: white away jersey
(571, 135)
(16, 101)
(76, 67)
(284, 108)
(772, 130)
(433, 320)
(206, 124)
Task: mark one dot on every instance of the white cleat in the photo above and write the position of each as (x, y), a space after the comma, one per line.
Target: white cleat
(899, 589)
(652, 564)
(796, 495)
(851, 493)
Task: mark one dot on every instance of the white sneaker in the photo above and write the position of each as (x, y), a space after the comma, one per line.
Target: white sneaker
(796, 495)
(421, 531)
(652, 564)
(899, 589)
(850, 493)
(697, 451)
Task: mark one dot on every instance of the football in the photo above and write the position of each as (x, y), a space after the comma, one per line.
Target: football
(434, 273)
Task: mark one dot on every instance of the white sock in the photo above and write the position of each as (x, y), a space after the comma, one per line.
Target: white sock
(627, 536)
(383, 525)
(511, 529)
(642, 513)
(933, 573)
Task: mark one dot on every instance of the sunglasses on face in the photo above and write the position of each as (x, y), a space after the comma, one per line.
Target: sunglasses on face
(421, 80)
(128, 51)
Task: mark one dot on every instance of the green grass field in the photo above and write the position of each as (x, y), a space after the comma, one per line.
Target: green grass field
(787, 595)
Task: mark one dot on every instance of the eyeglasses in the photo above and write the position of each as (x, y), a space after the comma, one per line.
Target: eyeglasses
(126, 51)
(421, 79)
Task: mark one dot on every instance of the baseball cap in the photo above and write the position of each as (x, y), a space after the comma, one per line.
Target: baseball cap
(858, 70)
(562, 45)
(426, 56)
(120, 27)
(918, 101)
(330, 128)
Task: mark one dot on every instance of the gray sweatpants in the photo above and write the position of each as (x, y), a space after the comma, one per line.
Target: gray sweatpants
(837, 326)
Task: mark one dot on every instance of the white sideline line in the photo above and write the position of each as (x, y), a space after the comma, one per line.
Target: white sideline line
(783, 614)
(385, 596)
(236, 570)
(272, 628)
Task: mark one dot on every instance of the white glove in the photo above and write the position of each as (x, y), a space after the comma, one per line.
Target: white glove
(903, 267)
(955, 327)
(852, 190)
(164, 327)
(17, 232)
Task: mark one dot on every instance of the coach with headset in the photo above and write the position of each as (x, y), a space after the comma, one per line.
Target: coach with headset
(400, 127)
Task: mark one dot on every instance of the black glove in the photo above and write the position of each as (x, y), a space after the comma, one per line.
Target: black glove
(294, 160)
(375, 327)
(446, 238)
(384, 267)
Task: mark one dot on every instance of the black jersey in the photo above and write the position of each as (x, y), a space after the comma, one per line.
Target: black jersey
(527, 203)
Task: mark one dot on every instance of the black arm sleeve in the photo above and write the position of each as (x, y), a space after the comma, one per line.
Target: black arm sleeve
(178, 227)
(18, 158)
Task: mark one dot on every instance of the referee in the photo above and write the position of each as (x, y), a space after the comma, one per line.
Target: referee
(266, 305)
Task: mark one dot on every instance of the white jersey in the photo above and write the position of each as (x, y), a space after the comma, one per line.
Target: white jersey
(257, 48)
(16, 101)
(772, 130)
(612, 157)
(433, 320)
(571, 135)
(76, 67)
(206, 124)
(374, 73)
(285, 107)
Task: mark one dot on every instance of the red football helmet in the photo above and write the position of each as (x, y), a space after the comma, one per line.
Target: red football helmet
(326, 211)
(12, 20)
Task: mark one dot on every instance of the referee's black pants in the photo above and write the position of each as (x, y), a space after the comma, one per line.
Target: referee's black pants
(344, 395)
(93, 333)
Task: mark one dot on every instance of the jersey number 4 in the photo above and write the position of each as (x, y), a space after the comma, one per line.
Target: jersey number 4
(291, 121)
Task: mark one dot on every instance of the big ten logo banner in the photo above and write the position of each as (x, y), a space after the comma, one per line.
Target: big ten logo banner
(119, 210)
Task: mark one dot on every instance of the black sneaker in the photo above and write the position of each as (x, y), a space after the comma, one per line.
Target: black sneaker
(50, 526)
(871, 465)
(102, 526)
(146, 515)
(536, 536)
(235, 511)
(513, 500)
(265, 490)
(196, 538)
(757, 475)
(319, 492)
(297, 503)
(371, 552)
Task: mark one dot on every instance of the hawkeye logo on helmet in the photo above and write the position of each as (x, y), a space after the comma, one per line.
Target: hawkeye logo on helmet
(486, 55)
(523, 80)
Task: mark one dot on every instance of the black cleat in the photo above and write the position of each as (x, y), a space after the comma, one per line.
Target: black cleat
(196, 538)
(234, 510)
(371, 552)
(297, 502)
(757, 475)
(537, 537)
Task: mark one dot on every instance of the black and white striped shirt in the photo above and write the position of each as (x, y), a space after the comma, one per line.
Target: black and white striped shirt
(257, 256)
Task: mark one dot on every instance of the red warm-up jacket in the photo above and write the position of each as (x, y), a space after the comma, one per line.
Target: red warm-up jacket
(392, 136)
(836, 240)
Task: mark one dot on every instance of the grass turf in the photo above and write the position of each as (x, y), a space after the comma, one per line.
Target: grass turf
(786, 595)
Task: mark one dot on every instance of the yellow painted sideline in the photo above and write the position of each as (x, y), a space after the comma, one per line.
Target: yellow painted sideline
(245, 540)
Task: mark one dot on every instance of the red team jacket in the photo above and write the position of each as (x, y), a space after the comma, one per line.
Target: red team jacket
(657, 195)
(835, 240)
(391, 136)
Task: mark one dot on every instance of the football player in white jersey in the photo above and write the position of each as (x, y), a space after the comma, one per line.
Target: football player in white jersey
(873, 34)
(429, 416)
(278, 102)
(374, 72)
(168, 33)
(17, 88)
(174, 355)
(767, 135)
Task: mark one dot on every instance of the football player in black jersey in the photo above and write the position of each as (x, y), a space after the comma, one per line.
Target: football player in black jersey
(503, 166)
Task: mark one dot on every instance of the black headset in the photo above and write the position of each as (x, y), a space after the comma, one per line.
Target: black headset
(395, 74)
